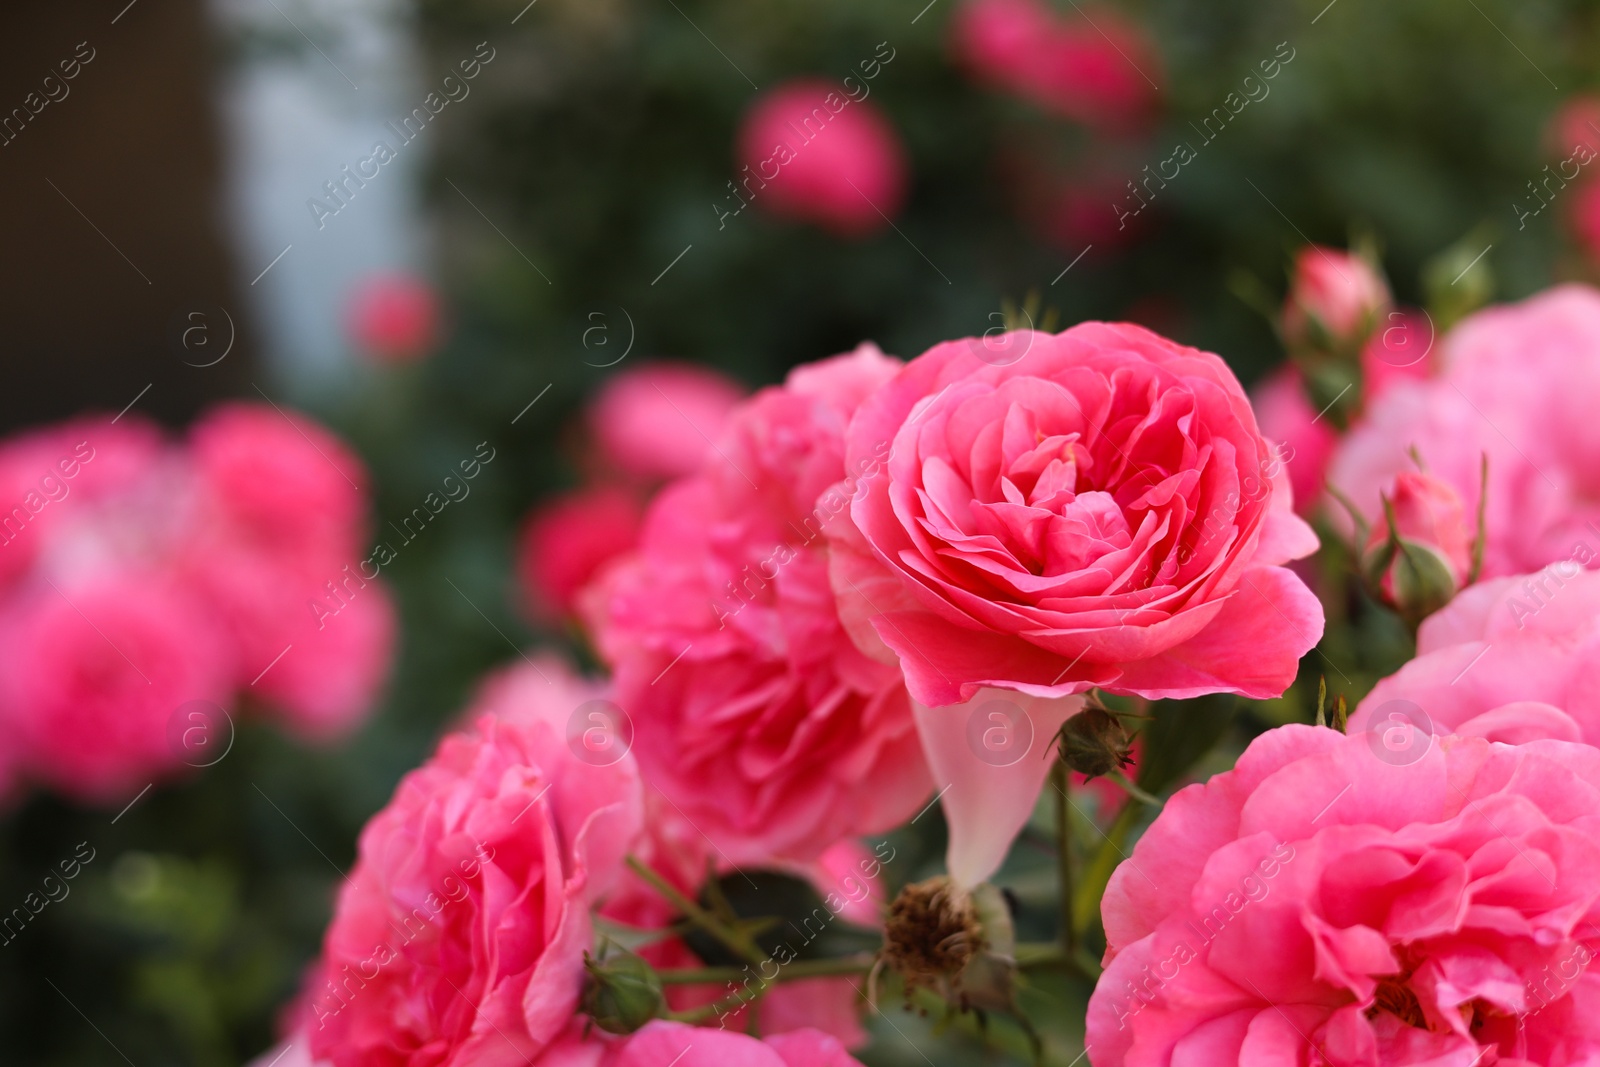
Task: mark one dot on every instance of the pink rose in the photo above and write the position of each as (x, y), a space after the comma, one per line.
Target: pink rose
(662, 1043)
(1095, 508)
(580, 1046)
(1518, 384)
(658, 420)
(567, 540)
(394, 318)
(93, 672)
(278, 482)
(1332, 900)
(1335, 297)
(1307, 439)
(811, 150)
(1095, 69)
(1512, 660)
(459, 935)
(754, 712)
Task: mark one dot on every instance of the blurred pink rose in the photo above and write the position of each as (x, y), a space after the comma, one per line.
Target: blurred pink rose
(459, 935)
(1514, 659)
(755, 714)
(658, 420)
(394, 318)
(92, 674)
(568, 539)
(1095, 508)
(662, 1043)
(1577, 122)
(1288, 419)
(1333, 900)
(1517, 383)
(1399, 350)
(278, 482)
(810, 151)
(1095, 69)
(1334, 296)
(1583, 216)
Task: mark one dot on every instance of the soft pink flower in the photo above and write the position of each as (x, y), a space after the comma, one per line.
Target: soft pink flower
(1095, 508)
(581, 1045)
(662, 1043)
(394, 318)
(1334, 294)
(1429, 516)
(657, 420)
(1332, 900)
(567, 540)
(1516, 383)
(93, 673)
(278, 482)
(459, 935)
(1094, 69)
(1307, 440)
(1511, 660)
(755, 713)
(810, 150)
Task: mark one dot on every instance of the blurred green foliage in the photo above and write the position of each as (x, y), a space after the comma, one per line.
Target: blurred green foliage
(597, 143)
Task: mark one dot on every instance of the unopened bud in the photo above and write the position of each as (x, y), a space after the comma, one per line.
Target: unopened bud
(622, 993)
(1094, 742)
(1419, 554)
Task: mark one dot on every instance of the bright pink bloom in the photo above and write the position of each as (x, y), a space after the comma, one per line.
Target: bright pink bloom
(1306, 440)
(394, 318)
(459, 936)
(1095, 69)
(1511, 660)
(661, 1043)
(567, 540)
(1095, 508)
(754, 711)
(819, 155)
(1517, 383)
(657, 420)
(1335, 294)
(92, 674)
(1333, 900)
(581, 1046)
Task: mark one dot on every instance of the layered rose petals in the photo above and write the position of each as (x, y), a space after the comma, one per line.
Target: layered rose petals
(1323, 904)
(1095, 508)
(753, 710)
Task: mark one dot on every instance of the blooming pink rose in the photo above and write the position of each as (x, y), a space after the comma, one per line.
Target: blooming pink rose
(93, 673)
(1333, 294)
(658, 420)
(1095, 69)
(811, 151)
(567, 540)
(1307, 440)
(459, 935)
(662, 1043)
(1511, 660)
(581, 1046)
(1095, 508)
(1331, 900)
(394, 318)
(1518, 384)
(754, 712)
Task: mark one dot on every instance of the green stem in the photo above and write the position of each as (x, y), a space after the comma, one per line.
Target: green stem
(1134, 791)
(736, 941)
(1069, 932)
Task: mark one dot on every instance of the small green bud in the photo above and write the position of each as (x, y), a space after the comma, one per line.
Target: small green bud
(622, 993)
(1094, 742)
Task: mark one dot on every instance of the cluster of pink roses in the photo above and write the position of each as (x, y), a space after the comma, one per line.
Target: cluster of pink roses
(146, 584)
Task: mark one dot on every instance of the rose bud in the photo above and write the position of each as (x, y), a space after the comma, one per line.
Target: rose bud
(623, 992)
(1419, 554)
(1336, 299)
(1094, 742)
